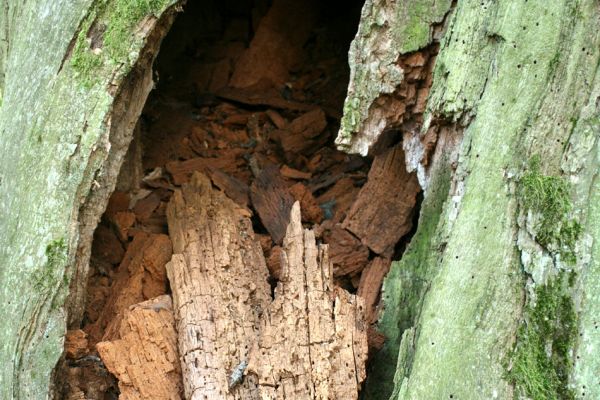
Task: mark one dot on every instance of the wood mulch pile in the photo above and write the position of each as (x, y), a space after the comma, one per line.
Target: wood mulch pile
(202, 215)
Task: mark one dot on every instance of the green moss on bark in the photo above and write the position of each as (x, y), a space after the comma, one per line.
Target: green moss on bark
(549, 196)
(541, 362)
(50, 274)
(115, 23)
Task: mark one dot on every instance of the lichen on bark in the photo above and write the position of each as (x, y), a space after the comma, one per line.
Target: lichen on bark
(54, 144)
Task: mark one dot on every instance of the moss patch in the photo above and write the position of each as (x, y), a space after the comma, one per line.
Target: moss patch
(549, 197)
(541, 362)
(50, 273)
(120, 19)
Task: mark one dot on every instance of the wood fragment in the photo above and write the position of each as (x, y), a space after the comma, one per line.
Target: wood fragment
(382, 213)
(289, 172)
(272, 201)
(308, 125)
(140, 276)
(311, 212)
(348, 255)
(218, 277)
(369, 287)
(143, 355)
(76, 344)
(313, 343)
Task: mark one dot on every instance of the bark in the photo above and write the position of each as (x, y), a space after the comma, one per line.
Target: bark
(66, 119)
(496, 293)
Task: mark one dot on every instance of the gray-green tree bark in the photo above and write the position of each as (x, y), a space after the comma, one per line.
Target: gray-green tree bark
(74, 76)
(497, 293)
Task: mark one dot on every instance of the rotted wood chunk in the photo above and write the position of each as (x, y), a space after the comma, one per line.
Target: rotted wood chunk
(313, 342)
(219, 282)
(143, 355)
(273, 202)
(382, 213)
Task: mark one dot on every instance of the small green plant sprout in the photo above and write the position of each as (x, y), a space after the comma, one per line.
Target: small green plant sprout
(548, 198)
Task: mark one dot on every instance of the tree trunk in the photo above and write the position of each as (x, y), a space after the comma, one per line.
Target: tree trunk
(69, 105)
(496, 295)
(497, 106)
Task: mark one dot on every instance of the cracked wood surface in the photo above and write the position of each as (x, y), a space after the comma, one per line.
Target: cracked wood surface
(219, 280)
(313, 342)
(143, 355)
(308, 343)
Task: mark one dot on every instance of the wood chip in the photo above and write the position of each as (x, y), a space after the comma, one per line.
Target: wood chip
(76, 344)
(289, 172)
(382, 213)
(369, 287)
(272, 201)
(143, 356)
(308, 125)
(313, 341)
(140, 276)
(218, 277)
(311, 212)
(347, 253)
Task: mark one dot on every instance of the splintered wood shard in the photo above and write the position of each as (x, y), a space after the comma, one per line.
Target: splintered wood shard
(143, 353)
(382, 212)
(235, 343)
(313, 342)
(218, 277)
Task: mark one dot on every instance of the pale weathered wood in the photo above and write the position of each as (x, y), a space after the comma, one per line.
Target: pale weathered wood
(218, 277)
(141, 276)
(383, 211)
(313, 342)
(143, 355)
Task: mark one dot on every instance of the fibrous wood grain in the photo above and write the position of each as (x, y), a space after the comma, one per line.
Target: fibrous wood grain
(273, 201)
(313, 342)
(382, 213)
(218, 277)
(143, 356)
(140, 276)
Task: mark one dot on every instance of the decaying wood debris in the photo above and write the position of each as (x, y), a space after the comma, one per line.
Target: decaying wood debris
(310, 342)
(232, 190)
(219, 280)
(143, 355)
(313, 337)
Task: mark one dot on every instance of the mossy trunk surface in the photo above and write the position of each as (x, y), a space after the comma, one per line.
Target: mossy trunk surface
(73, 78)
(497, 295)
